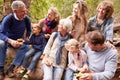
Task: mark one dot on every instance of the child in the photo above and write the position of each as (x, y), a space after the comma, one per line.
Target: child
(38, 43)
(76, 59)
(51, 22)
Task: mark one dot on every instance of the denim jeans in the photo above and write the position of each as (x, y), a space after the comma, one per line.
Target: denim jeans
(52, 72)
(19, 56)
(69, 74)
(31, 53)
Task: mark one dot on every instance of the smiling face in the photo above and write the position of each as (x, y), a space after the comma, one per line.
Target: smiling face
(73, 49)
(35, 29)
(75, 9)
(51, 15)
(72, 45)
(105, 9)
(61, 29)
(101, 11)
(21, 12)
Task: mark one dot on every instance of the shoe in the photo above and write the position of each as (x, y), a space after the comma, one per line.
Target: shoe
(21, 73)
(25, 77)
(2, 76)
(11, 74)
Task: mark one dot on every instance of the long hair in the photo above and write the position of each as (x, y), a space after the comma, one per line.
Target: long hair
(108, 6)
(82, 15)
(56, 13)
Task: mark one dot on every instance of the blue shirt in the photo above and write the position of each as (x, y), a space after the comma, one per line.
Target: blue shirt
(106, 27)
(16, 30)
(38, 42)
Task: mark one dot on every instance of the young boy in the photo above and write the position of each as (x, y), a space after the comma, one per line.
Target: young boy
(38, 43)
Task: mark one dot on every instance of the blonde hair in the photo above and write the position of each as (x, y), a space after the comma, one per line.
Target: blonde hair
(37, 25)
(41, 23)
(82, 15)
(56, 13)
(66, 24)
(72, 43)
(108, 6)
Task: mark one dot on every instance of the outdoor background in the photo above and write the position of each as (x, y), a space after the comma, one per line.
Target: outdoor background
(37, 9)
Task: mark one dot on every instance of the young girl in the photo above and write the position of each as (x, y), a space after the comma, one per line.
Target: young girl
(38, 43)
(76, 59)
(51, 22)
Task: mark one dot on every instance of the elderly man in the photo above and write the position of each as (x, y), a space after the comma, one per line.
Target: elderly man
(12, 28)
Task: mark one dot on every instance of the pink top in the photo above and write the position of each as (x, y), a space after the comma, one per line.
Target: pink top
(77, 60)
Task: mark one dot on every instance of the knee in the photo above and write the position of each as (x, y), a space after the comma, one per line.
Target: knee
(48, 77)
(25, 47)
(27, 55)
(2, 43)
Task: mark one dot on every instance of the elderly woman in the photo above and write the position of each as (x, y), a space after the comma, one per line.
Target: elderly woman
(54, 61)
(103, 20)
(79, 20)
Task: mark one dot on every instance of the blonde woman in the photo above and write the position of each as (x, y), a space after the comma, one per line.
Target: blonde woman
(51, 22)
(103, 20)
(79, 20)
(76, 59)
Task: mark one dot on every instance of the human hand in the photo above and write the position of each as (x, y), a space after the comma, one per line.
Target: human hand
(42, 56)
(14, 43)
(110, 45)
(85, 69)
(72, 33)
(48, 62)
(20, 41)
(86, 76)
(47, 36)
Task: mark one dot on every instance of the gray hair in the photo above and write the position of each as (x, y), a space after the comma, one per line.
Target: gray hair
(66, 24)
(16, 4)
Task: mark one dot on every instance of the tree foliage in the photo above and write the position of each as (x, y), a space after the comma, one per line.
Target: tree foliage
(38, 8)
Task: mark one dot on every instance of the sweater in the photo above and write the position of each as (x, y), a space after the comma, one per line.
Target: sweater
(103, 64)
(38, 42)
(16, 30)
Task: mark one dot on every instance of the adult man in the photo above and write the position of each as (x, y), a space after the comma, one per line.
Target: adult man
(12, 28)
(102, 60)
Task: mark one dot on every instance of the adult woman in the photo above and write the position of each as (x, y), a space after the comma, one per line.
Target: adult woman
(51, 22)
(103, 20)
(55, 57)
(79, 20)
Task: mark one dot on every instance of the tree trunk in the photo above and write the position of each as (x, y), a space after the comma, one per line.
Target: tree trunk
(7, 5)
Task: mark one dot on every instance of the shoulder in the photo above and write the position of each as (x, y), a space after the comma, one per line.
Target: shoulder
(8, 17)
(54, 33)
(27, 18)
(83, 52)
(41, 35)
(113, 51)
(92, 18)
(70, 17)
(110, 19)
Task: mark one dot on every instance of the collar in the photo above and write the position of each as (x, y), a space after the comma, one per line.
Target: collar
(16, 16)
